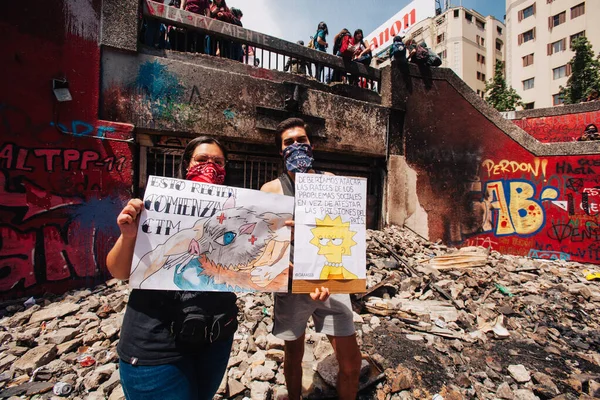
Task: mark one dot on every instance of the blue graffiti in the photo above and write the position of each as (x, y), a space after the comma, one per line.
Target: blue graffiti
(82, 129)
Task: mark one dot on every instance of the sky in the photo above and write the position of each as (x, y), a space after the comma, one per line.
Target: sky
(295, 20)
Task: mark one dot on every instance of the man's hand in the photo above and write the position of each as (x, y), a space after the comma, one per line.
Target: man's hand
(320, 294)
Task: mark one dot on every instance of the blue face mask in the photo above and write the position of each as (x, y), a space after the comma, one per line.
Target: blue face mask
(298, 157)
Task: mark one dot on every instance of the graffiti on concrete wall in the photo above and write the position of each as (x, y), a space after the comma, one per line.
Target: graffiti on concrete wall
(558, 128)
(545, 208)
(156, 98)
(56, 191)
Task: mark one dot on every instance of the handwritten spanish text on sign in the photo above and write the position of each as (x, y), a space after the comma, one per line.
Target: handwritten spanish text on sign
(330, 217)
(204, 237)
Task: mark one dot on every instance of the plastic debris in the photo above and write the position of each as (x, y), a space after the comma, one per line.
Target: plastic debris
(591, 275)
(86, 360)
(62, 389)
(504, 290)
(29, 302)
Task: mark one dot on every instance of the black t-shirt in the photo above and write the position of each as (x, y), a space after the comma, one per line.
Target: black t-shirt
(146, 337)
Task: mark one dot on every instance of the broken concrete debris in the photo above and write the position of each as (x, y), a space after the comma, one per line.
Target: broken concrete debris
(434, 322)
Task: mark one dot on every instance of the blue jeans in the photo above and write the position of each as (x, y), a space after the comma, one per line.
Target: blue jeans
(195, 377)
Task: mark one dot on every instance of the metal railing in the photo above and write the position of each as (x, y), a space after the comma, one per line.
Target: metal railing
(180, 30)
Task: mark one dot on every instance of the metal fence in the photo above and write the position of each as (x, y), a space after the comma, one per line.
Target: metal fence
(251, 171)
(178, 30)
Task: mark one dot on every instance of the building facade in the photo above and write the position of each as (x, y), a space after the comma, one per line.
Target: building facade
(466, 41)
(539, 47)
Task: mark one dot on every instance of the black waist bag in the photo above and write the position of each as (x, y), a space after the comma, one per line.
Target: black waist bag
(192, 326)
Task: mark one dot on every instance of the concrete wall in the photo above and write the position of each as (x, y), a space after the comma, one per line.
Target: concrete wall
(558, 124)
(481, 180)
(207, 95)
(56, 189)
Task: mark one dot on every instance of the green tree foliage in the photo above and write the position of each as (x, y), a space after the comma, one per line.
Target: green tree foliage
(585, 72)
(498, 95)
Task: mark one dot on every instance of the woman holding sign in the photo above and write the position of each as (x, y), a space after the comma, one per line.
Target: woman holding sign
(173, 345)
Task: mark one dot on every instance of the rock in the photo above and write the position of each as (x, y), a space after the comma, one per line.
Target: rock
(112, 382)
(69, 346)
(35, 358)
(29, 335)
(39, 387)
(6, 361)
(275, 355)
(117, 394)
(55, 311)
(262, 373)
(280, 393)
(504, 392)
(273, 342)
(593, 388)
(98, 375)
(400, 379)
(234, 387)
(61, 336)
(259, 390)
(525, 394)
(519, 373)
(546, 382)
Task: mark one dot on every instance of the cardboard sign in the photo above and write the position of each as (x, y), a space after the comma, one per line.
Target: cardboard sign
(203, 237)
(330, 233)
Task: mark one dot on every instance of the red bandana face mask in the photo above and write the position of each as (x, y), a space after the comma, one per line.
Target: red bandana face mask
(207, 172)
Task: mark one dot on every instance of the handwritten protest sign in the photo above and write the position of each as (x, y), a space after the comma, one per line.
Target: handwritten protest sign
(198, 236)
(330, 233)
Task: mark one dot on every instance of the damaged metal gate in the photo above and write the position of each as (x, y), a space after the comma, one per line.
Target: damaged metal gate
(251, 170)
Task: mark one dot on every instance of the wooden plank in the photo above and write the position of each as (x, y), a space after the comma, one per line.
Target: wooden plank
(335, 286)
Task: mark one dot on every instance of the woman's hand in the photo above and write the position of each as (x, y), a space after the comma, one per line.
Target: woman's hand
(128, 219)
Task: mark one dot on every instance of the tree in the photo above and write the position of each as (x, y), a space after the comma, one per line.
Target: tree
(498, 95)
(585, 72)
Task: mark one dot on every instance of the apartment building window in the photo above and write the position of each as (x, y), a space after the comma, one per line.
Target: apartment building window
(557, 99)
(480, 24)
(527, 36)
(440, 38)
(559, 72)
(578, 10)
(529, 106)
(526, 12)
(557, 47)
(557, 19)
(480, 76)
(468, 17)
(528, 83)
(456, 13)
(528, 60)
(441, 20)
(499, 30)
(480, 58)
(575, 36)
(481, 93)
(499, 44)
(442, 55)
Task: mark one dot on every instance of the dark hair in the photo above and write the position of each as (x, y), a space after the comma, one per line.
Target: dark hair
(590, 126)
(189, 152)
(288, 124)
(237, 12)
(323, 27)
(300, 42)
(356, 32)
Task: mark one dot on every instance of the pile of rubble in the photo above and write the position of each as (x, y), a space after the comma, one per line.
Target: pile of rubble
(434, 323)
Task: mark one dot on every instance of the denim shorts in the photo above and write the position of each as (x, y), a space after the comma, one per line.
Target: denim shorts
(194, 377)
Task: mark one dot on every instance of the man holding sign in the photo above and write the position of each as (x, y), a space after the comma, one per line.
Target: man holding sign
(332, 314)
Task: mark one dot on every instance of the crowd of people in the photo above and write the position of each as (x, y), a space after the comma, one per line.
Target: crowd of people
(161, 36)
(351, 47)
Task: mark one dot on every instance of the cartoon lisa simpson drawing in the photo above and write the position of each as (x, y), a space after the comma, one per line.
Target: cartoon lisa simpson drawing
(334, 239)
